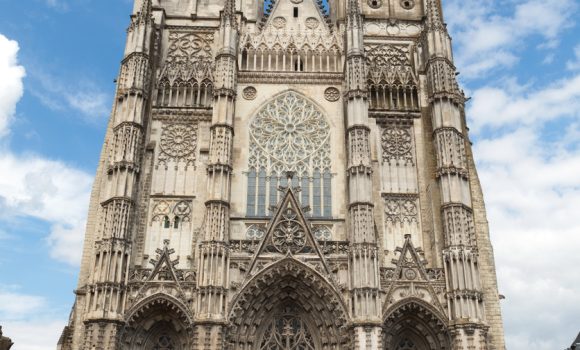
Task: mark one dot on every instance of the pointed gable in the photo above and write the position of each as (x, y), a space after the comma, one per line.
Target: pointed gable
(288, 234)
(410, 277)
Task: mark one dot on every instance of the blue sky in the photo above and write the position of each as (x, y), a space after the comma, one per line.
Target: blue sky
(519, 62)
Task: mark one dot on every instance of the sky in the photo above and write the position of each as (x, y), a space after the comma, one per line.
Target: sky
(519, 62)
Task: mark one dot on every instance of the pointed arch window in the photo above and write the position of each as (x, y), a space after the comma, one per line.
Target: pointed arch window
(289, 134)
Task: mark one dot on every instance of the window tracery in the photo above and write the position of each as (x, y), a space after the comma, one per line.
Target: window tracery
(289, 134)
(186, 79)
(287, 332)
(276, 48)
(391, 78)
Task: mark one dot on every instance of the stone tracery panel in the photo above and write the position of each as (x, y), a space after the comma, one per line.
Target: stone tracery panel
(391, 78)
(289, 134)
(186, 78)
(313, 49)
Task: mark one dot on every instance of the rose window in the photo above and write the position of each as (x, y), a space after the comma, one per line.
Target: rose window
(289, 134)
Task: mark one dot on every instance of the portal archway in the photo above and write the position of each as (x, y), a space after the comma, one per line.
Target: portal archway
(288, 306)
(159, 322)
(414, 325)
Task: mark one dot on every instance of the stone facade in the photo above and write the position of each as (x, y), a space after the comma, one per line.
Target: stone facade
(298, 177)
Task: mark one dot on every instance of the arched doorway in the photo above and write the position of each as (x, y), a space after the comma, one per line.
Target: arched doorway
(415, 325)
(288, 306)
(160, 322)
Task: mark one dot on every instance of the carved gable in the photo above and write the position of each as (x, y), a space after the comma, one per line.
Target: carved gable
(289, 234)
(410, 278)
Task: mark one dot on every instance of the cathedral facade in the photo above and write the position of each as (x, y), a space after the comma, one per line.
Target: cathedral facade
(295, 175)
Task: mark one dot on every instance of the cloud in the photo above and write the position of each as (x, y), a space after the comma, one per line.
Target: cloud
(57, 4)
(11, 88)
(532, 190)
(24, 315)
(82, 97)
(36, 187)
(496, 107)
(574, 64)
(53, 191)
(490, 34)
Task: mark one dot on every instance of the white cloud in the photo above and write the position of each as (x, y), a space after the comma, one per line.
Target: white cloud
(33, 186)
(28, 320)
(496, 107)
(532, 190)
(81, 96)
(490, 33)
(574, 64)
(49, 190)
(11, 88)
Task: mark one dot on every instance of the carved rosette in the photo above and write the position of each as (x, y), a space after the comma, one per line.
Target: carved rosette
(332, 94)
(249, 93)
(289, 234)
(178, 143)
(397, 144)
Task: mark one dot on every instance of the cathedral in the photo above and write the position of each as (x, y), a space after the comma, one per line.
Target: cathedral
(288, 175)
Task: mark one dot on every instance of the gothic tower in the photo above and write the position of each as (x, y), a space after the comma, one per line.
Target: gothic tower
(289, 175)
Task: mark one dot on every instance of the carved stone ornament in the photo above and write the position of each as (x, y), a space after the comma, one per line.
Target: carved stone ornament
(400, 209)
(296, 1)
(249, 93)
(410, 274)
(279, 22)
(255, 232)
(289, 235)
(312, 23)
(178, 142)
(397, 144)
(375, 3)
(332, 94)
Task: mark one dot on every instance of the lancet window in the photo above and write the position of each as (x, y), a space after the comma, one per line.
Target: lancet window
(289, 134)
(391, 80)
(277, 49)
(186, 79)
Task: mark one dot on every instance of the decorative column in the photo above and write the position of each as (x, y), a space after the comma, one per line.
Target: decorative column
(460, 254)
(214, 255)
(105, 292)
(364, 276)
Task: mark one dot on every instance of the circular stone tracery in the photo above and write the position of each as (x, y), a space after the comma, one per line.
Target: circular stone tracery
(396, 141)
(290, 129)
(178, 140)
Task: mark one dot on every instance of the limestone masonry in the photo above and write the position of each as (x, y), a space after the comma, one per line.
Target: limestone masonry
(287, 177)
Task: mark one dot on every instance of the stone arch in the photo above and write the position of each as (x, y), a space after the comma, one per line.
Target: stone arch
(159, 321)
(283, 285)
(412, 324)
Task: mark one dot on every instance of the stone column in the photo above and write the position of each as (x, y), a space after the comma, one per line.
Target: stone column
(364, 280)
(214, 253)
(105, 293)
(460, 254)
